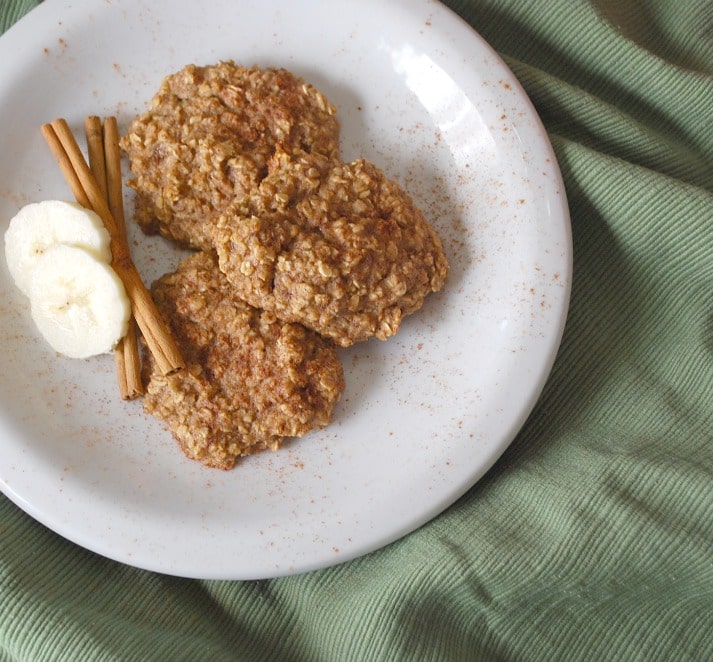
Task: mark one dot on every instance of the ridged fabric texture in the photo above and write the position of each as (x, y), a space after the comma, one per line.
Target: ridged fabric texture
(592, 537)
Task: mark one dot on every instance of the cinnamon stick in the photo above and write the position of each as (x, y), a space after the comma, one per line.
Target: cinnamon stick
(95, 150)
(130, 344)
(105, 164)
(158, 338)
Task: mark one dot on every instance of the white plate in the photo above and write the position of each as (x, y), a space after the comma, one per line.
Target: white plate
(424, 415)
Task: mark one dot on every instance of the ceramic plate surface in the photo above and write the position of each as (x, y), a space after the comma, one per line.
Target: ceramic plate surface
(424, 415)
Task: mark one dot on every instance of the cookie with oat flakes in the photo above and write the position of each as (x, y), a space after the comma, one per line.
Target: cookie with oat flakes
(207, 137)
(335, 246)
(250, 379)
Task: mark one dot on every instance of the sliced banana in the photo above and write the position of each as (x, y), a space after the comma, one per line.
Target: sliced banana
(41, 225)
(77, 301)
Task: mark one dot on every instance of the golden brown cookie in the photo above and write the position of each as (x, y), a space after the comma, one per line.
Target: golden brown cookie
(335, 246)
(250, 380)
(207, 137)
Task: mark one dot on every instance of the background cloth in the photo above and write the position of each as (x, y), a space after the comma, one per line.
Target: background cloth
(592, 537)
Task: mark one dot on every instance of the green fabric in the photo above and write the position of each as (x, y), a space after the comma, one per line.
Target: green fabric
(12, 10)
(592, 537)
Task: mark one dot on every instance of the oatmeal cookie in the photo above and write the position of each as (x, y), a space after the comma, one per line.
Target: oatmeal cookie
(335, 246)
(250, 380)
(207, 137)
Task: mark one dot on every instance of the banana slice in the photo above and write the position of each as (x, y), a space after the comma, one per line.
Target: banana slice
(41, 225)
(77, 301)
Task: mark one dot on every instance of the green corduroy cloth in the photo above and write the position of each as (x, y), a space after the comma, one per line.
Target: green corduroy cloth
(592, 537)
